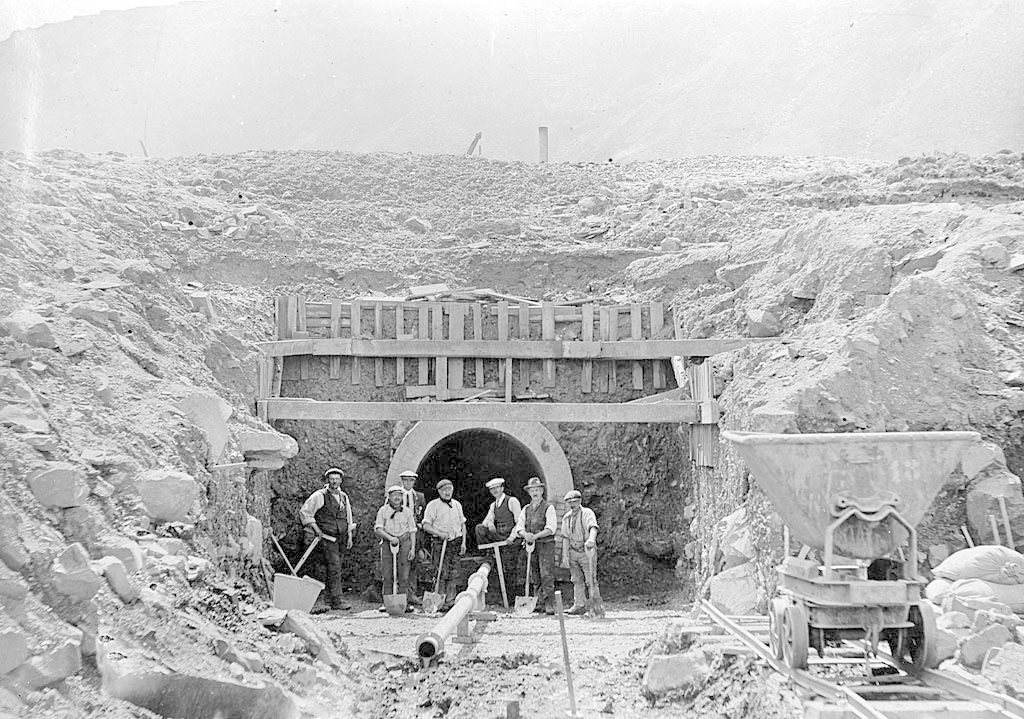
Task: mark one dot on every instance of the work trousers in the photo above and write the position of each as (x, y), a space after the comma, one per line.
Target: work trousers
(542, 572)
(386, 561)
(509, 557)
(450, 569)
(331, 552)
(582, 575)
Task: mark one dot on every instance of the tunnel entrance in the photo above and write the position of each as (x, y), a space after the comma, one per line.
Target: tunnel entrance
(469, 458)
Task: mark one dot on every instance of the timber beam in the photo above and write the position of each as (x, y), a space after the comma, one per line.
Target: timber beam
(680, 412)
(504, 349)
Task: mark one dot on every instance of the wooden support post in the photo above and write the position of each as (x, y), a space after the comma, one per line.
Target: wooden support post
(378, 333)
(335, 369)
(478, 334)
(613, 336)
(357, 312)
(508, 379)
(423, 332)
(524, 333)
(636, 332)
(548, 333)
(281, 317)
(602, 367)
(300, 314)
(657, 323)
(400, 332)
(502, 334)
(587, 373)
(456, 331)
(437, 333)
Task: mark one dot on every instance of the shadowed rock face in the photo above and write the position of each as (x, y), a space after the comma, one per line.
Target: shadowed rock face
(178, 696)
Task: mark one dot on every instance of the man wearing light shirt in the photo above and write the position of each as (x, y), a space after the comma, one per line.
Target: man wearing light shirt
(444, 520)
(396, 526)
(537, 524)
(579, 539)
(500, 525)
(328, 512)
(414, 501)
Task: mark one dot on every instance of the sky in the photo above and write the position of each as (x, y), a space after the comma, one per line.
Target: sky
(23, 14)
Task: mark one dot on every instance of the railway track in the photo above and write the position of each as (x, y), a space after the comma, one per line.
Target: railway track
(886, 692)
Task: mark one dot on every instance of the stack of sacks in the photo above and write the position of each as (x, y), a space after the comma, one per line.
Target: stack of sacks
(991, 572)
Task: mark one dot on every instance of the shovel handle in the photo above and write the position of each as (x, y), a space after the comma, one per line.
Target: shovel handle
(309, 550)
(283, 555)
(394, 567)
(440, 563)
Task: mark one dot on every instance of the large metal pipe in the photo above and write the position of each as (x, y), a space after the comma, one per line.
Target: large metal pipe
(431, 644)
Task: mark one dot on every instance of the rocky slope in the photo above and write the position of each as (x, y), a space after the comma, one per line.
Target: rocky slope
(133, 291)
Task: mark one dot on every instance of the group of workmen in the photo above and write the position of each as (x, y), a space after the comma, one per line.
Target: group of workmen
(406, 520)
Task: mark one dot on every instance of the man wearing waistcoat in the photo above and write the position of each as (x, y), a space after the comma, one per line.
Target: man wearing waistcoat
(415, 502)
(328, 512)
(536, 525)
(499, 525)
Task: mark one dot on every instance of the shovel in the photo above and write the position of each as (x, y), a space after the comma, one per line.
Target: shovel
(394, 603)
(526, 605)
(596, 603)
(432, 601)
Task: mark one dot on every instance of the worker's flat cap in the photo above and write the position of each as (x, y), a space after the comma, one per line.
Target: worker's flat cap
(534, 482)
(496, 482)
(334, 470)
(573, 494)
(408, 473)
(445, 483)
(395, 488)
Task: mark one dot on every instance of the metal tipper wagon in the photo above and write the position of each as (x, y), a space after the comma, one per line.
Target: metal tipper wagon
(856, 498)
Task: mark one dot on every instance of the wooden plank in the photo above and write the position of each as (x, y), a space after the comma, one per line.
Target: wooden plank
(357, 312)
(378, 333)
(602, 368)
(478, 334)
(587, 374)
(548, 333)
(508, 380)
(281, 317)
(304, 367)
(502, 332)
(534, 349)
(602, 412)
(300, 314)
(613, 336)
(290, 315)
(456, 332)
(636, 332)
(423, 332)
(335, 365)
(275, 390)
(416, 392)
(437, 338)
(657, 324)
(524, 333)
(399, 333)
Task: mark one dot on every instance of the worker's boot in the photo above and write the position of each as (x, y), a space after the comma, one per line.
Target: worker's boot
(450, 592)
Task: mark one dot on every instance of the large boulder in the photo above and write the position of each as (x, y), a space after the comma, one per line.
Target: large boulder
(13, 649)
(167, 495)
(677, 672)
(736, 591)
(210, 413)
(983, 500)
(267, 450)
(59, 484)
(29, 327)
(73, 576)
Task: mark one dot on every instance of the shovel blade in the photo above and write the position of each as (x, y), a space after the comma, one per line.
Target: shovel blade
(432, 602)
(395, 604)
(525, 606)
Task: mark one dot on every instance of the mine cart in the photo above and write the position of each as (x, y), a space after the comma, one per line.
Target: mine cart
(856, 498)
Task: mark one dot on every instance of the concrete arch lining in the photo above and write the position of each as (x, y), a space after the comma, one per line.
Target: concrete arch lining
(533, 437)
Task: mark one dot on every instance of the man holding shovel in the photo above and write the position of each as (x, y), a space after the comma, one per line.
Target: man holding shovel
(396, 527)
(445, 522)
(327, 514)
(579, 549)
(537, 524)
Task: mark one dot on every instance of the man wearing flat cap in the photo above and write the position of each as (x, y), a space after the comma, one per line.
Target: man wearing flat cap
(579, 549)
(444, 520)
(500, 525)
(414, 501)
(395, 526)
(327, 514)
(536, 526)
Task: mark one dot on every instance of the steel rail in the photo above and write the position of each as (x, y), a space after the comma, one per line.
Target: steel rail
(930, 678)
(858, 704)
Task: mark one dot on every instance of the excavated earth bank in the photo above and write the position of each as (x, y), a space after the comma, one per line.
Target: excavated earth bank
(132, 294)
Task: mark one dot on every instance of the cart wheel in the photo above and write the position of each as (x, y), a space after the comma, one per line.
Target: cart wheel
(917, 644)
(775, 612)
(795, 636)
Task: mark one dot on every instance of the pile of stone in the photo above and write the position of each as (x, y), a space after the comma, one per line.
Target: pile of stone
(250, 222)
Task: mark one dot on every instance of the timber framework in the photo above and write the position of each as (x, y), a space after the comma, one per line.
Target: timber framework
(509, 360)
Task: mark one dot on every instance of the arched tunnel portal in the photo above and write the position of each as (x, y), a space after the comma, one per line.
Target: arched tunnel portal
(470, 453)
